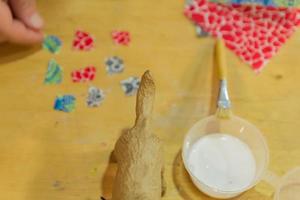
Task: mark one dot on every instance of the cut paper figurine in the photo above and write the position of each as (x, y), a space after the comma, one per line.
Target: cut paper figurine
(130, 85)
(83, 41)
(54, 73)
(65, 103)
(95, 97)
(254, 33)
(84, 75)
(114, 65)
(52, 43)
(121, 37)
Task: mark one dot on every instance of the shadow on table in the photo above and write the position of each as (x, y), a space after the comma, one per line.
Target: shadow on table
(11, 52)
(109, 174)
(107, 181)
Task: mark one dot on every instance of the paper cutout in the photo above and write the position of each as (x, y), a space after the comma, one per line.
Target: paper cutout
(254, 33)
(130, 85)
(52, 43)
(114, 65)
(84, 75)
(54, 73)
(83, 41)
(121, 37)
(200, 32)
(95, 97)
(188, 2)
(65, 103)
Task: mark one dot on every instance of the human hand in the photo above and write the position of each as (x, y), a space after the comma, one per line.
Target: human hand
(20, 22)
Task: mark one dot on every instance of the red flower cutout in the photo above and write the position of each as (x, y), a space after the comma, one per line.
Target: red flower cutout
(83, 41)
(84, 75)
(121, 37)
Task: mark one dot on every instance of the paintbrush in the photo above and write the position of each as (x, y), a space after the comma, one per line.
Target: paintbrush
(224, 104)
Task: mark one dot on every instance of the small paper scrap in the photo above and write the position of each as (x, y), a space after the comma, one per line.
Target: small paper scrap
(130, 85)
(121, 37)
(52, 43)
(188, 2)
(65, 103)
(54, 73)
(200, 32)
(114, 65)
(84, 75)
(95, 97)
(83, 41)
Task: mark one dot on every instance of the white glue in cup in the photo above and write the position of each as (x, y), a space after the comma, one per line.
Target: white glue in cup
(245, 134)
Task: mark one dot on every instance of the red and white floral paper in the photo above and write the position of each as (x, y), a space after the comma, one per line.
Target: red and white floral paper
(254, 33)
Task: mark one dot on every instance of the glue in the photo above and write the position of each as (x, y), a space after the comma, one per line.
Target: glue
(222, 162)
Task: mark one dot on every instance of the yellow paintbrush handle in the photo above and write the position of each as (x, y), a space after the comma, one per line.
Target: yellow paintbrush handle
(221, 60)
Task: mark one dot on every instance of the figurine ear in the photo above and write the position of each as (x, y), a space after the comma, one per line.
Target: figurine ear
(145, 98)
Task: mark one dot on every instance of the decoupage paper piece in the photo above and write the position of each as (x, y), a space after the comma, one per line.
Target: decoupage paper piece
(121, 37)
(200, 32)
(114, 65)
(95, 97)
(52, 43)
(188, 2)
(254, 33)
(130, 85)
(54, 73)
(83, 41)
(83, 75)
(65, 103)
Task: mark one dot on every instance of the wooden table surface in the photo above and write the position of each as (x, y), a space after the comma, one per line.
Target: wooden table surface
(51, 155)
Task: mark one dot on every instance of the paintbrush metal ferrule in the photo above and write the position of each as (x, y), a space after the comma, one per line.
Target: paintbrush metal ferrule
(223, 100)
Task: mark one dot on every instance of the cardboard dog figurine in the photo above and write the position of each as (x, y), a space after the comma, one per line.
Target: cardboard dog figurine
(139, 153)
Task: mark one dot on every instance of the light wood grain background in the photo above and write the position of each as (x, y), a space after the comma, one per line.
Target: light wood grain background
(50, 155)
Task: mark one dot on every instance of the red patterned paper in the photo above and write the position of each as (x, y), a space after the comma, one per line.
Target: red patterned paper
(83, 41)
(121, 37)
(84, 75)
(254, 33)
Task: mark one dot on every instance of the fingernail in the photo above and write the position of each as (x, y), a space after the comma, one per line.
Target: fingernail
(36, 21)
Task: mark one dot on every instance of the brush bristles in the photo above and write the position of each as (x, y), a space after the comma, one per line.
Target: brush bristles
(223, 113)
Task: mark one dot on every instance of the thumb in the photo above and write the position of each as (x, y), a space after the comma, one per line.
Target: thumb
(25, 11)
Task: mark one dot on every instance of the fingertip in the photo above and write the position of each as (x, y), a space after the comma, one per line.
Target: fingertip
(39, 38)
(22, 35)
(26, 12)
(36, 21)
(28, 40)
